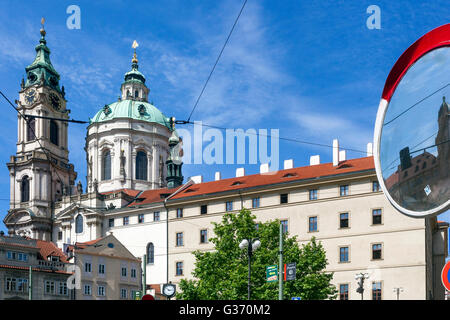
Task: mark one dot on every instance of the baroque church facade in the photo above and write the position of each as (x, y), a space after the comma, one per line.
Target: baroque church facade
(131, 146)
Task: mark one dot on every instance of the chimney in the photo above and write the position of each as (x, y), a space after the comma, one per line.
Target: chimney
(313, 160)
(217, 176)
(240, 172)
(288, 164)
(342, 155)
(335, 152)
(197, 179)
(369, 149)
(264, 168)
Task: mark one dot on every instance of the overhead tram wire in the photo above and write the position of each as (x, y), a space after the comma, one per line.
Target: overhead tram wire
(269, 136)
(217, 60)
(415, 104)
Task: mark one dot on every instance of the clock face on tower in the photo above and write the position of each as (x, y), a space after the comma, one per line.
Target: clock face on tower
(56, 104)
(30, 96)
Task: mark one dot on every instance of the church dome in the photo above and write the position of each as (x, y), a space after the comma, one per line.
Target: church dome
(131, 109)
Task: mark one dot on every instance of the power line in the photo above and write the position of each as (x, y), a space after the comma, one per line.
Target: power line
(415, 104)
(217, 60)
(269, 136)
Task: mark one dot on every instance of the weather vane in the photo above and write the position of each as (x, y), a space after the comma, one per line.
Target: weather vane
(42, 29)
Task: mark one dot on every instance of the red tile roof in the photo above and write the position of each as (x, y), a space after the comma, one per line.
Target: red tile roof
(152, 196)
(130, 192)
(286, 175)
(82, 245)
(34, 269)
(47, 249)
(256, 180)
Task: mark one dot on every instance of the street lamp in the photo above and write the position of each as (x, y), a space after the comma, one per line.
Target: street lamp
(397, 291)
(251, 245)
(361, 277)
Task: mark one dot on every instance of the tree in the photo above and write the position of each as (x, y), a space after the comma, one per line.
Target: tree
(222, 274)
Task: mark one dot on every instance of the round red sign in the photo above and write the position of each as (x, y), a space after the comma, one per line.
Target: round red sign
(148, 297)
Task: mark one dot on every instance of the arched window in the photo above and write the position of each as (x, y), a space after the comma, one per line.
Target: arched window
(79, 224)
(106, 168)
(54, 132)
(25, 189)
(31, 125)
(136, 94)
(141, 165)
(150, 253)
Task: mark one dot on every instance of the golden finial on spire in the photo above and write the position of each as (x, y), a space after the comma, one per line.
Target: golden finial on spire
(134, 46)
(42, 28)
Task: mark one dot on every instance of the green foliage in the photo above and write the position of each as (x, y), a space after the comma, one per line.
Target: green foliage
(223, 273)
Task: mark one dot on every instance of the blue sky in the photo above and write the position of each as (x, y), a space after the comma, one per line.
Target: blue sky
(309, 68)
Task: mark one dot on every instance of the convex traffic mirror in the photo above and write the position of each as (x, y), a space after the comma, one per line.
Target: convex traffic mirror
(412, 130)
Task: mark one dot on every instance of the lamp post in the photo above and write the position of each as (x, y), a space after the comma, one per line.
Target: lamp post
(361, 277)
(397, 291)
(251, 245)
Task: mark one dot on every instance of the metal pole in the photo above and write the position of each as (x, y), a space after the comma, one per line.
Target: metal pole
(249, 267)
(30, 285)
(144, 275)
(280, 267)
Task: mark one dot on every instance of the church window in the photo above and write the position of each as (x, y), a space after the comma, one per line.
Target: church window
(136, 94)
(79, 224)
(141, 165)
(30, 129)
(54, 132)
(150, 253)
(106, 169)
(25, 189)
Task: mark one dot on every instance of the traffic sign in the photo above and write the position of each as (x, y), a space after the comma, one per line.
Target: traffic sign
(272, 273)
(148, 297)
(290, 271)
(445, 276)
(296, 298)
(137, 295)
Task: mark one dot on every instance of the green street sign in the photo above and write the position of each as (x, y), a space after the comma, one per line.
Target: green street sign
(137, 295)
(272, 273)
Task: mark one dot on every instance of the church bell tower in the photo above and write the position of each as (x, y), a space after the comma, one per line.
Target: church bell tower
(40, 172)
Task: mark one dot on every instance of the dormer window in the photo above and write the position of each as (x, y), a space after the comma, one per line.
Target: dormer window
(141, 109)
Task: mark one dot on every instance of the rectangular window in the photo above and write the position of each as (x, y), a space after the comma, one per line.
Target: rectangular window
(344, 190)
(203, 236)
(179, 237)
(285, 227)
(255, 202)
(126, 220)
(343, 254)
(312, 224)
(313, 194)
(101, 269)
(376, 216)
(60, 234)
(22, 285)
(179, 268)
(376, 290)
(133, 273)
(375, 186)
(62, 288)
(87, 267)
(376, 251)
(141, 218)
(124, 272)
(229, 206)
(156, 216)
(11, 284)
(101, 291)
(343, 291)
(284, 198)
(111, 223)
(87, 289)
(123, 293)
(343, 220)
(49, 287)
(180, 213)
(203, 209)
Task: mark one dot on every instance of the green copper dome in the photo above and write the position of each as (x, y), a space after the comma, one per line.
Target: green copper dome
(138, 110)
